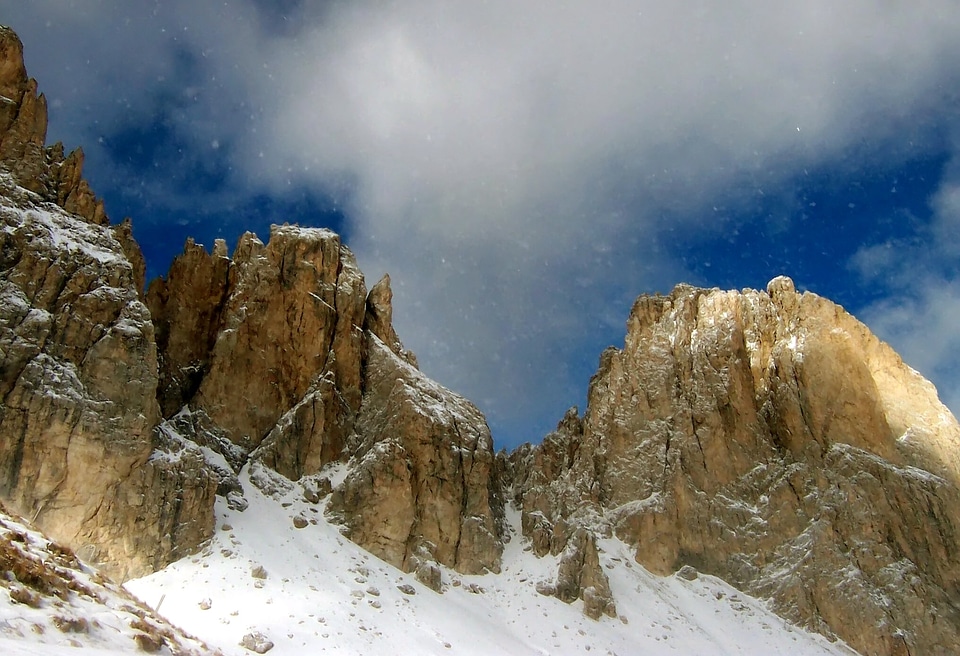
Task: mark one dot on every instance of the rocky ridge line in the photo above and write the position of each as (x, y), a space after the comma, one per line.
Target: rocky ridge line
(23, 132)
(764, 437)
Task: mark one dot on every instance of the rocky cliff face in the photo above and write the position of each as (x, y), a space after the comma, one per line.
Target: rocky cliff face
(421, 485)
(764, 437)
(770, 439)
(80, 451)
(118, 424)
(290, 364)
(245, 340)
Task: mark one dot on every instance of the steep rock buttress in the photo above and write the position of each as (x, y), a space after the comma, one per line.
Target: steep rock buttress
(770, 439)
(79, 451)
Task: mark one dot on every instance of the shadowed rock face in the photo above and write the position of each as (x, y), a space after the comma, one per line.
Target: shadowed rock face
(770, 439)
(422, 482)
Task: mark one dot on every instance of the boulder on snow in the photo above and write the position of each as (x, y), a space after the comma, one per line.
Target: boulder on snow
(256, 642)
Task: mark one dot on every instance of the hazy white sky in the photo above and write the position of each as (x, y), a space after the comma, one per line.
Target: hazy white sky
(524, 170)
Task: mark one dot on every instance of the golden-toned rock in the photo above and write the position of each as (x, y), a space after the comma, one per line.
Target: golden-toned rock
(72, 192)
(80, 451)
(292, 316)
(123, 233)
(266, 345)
(78, 374)
(162, 512)
(13, 74)
(770, 439)
(378, 318)
(422, 474)
(186, 307)
(309, 435)
(23, 120)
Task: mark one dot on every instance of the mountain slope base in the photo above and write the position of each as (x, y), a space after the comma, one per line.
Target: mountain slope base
(323, 594)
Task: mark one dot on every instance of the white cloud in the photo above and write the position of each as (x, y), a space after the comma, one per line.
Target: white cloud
(514, 162)
(518, 166)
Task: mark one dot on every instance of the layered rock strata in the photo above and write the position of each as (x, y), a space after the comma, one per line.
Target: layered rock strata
(770, 439)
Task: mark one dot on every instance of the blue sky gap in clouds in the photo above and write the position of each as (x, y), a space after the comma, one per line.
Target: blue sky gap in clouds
(523, 171)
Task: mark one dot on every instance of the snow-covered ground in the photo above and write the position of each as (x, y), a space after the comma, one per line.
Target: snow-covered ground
(310, 590)
(52, 604)
(323, 594)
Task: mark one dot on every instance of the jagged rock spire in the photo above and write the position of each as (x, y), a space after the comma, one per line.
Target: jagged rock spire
(23, 133)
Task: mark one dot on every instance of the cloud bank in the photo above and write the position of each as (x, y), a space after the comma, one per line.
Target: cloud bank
(522, 170)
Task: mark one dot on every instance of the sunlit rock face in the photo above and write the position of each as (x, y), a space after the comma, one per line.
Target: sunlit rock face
(80, 451)
(770, 439)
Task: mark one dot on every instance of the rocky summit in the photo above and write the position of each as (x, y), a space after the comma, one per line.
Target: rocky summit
(766, 438)
(770, 439)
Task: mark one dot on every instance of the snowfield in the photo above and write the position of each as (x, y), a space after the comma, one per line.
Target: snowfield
(310, 590)
(323, 594)
(50, 603)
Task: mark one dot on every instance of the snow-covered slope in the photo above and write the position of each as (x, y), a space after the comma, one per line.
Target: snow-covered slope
(50, 603)
(323, 594)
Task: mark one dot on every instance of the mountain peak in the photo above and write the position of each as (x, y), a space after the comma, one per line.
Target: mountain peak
(23, 132)
(770, 439)
(766, 438)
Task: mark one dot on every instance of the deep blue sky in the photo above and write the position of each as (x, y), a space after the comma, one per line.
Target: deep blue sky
(524, 172)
